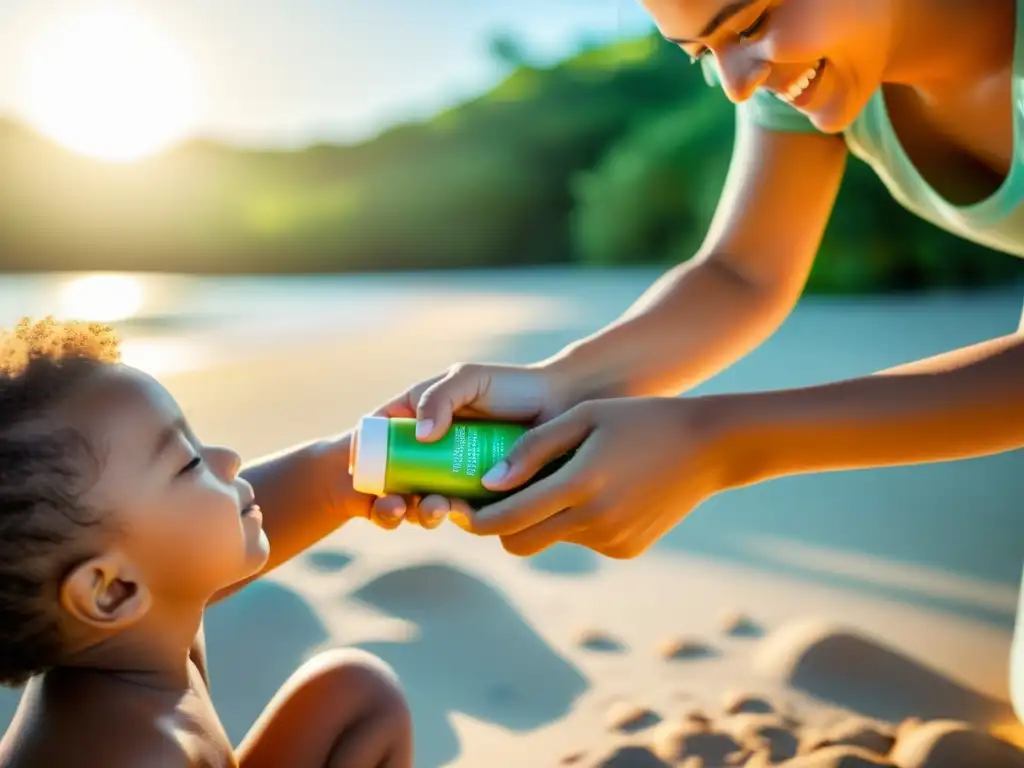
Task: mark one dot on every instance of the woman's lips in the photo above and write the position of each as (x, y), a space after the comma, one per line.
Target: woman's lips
(800, 90)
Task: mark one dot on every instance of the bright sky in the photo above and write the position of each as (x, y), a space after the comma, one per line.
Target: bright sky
(281, 71)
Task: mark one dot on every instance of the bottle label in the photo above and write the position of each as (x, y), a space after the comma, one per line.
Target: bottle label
(451, 466)
(464, 450)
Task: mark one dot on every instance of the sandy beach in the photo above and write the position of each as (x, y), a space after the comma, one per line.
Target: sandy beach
(759, 632)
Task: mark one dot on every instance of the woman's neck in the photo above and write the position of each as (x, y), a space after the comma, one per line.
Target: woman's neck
(944, 44)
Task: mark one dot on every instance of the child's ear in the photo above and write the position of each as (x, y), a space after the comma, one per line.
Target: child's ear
(105, 592)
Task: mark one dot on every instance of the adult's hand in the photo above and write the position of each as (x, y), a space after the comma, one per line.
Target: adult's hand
(642, 465)
(529, 394)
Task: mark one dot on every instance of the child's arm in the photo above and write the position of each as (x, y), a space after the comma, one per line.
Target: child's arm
(305, 494)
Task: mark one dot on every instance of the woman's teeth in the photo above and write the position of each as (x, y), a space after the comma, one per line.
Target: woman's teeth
(799, 85)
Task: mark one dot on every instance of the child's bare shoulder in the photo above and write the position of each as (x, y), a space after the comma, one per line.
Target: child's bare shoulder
(87, 721)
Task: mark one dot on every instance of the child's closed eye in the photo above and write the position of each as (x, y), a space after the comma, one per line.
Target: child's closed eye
(192, 465)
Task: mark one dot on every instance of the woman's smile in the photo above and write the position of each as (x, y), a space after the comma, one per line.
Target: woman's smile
(800, 91)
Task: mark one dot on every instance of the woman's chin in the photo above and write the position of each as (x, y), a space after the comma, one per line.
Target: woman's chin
(828, 122)
(837, 111)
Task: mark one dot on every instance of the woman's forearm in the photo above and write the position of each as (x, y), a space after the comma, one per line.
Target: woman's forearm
(748, 274)
(963, 404)
(697, 320)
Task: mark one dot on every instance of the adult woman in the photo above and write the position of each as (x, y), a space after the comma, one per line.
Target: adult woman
(929, 93)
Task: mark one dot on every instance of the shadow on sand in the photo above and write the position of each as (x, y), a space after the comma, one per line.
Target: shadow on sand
(474, 654)
(845, 667)
(254, 641)
(565, 560)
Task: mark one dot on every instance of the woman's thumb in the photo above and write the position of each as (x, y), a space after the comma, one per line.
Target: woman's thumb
(460, 387)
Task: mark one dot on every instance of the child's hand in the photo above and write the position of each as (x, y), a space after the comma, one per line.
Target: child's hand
(428, 512)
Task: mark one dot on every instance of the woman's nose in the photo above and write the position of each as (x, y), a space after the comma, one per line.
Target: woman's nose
(741, 74)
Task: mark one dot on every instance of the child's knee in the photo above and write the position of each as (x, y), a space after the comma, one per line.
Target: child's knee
(340, 708)
(366, 684)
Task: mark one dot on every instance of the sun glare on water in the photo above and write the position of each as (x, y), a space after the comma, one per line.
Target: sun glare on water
(101, 298)
(109, 85)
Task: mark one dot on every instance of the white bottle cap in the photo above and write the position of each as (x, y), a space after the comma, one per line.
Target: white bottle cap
(370, 460)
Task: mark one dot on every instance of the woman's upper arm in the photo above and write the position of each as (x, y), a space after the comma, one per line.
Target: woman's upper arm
(776, 203)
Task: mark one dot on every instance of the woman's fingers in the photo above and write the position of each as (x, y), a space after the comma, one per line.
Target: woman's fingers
(537, 538)
(538, 447)
(525, 508)
(461, 387)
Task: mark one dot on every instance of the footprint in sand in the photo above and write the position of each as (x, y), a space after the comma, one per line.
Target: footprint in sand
(573, 758)
(684, 649)
(933, 744)
(737, 702)
(852, 732)
(774, 734)
(841, 666)
(738, 624)
(632, 756)
(675, 742)
(599, 641)
(696, 719)
(329, 561)
(950, 744)
(626, 717)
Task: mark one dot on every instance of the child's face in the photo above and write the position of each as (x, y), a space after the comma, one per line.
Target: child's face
(180, 517)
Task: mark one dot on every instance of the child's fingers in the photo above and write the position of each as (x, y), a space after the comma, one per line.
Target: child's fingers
(429, 512)
(388, 511)
(433, 510)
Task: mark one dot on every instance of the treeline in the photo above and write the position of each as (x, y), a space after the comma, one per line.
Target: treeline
(614, 156)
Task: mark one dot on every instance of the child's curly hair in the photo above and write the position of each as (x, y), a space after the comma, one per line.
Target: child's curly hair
(43, 473)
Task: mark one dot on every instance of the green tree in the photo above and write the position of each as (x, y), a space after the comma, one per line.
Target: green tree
(651, 197)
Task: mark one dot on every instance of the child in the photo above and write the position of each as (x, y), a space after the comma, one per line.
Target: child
(117, 528)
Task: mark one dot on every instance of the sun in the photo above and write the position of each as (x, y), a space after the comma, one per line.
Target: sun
(109, 85)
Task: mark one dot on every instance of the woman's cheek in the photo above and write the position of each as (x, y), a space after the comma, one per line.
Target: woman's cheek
(803, 32)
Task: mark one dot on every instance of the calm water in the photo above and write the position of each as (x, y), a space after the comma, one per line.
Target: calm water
(178, 322)
(950, 536)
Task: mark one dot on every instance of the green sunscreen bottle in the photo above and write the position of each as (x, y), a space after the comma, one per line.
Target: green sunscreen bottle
(387, 458)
